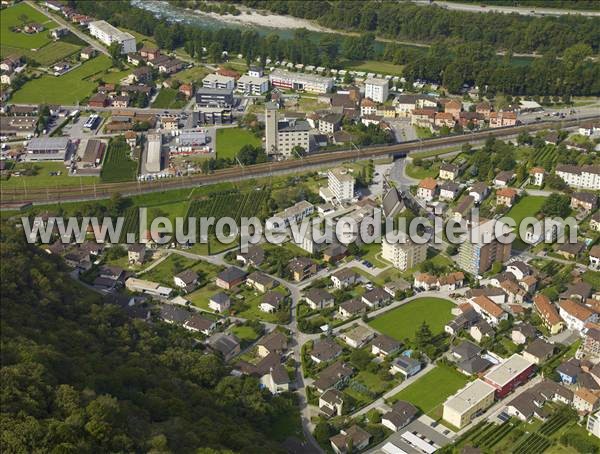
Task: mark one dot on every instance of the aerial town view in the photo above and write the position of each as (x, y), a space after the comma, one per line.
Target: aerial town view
(293, 226)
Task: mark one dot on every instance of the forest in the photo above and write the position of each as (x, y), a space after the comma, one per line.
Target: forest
(78, 376)
(411, 22)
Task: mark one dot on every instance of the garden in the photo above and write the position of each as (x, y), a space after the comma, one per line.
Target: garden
(117, 165)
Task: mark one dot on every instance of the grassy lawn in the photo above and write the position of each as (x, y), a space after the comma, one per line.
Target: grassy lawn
(371, 66)
(167, 99)
(423, 133)
(231, 140)
(432, 389)
(42, 177)
(403, 322)
(419, 172)
(118, 166)
(68, 89)
(11, 17)
(195, 74)
(50, 53)
(168, 268)
(373, 251)
(244, 333)
(592, 278)
(114, 77)
(529, 205)
(431, 153)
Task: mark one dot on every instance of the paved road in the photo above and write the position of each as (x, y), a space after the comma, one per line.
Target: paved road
(92, 42)
(522, 10)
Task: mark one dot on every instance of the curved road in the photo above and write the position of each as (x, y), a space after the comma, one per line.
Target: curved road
(522, 10)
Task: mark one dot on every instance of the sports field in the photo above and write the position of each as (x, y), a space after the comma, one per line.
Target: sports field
(18, 16)
(68, 89)
(403, 322)
(432, 389)
(231, 140)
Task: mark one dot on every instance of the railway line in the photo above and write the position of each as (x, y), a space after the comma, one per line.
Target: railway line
(14, 198)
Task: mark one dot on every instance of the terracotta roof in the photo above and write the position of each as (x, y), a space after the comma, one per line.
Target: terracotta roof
(576, 310)
(506, 192)
(488, 306)
(428, 183)
(546, 308)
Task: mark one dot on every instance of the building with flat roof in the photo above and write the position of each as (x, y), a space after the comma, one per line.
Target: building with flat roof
(218, 81)
(191, 141)
(282, 136)
(253, 85)
(47, 149)
(154, 153)
(506, 376)
(215, 97)
(341, 183)
(377, 89)
(109, 34)
(476, 255)
(310, 83)
(403, 254)
(461, 408)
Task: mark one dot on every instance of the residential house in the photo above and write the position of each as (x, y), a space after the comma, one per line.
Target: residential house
(277, 380)
(481, 330)
(331, 403)
(87, 53)
(344, 278)
(522, 333)
(376, 297)
(353, 439)
(225, 344)
(174, 315)
(261, 282)
(317, 298)
(585, 201)
(595, 221)
(384, 345)
(502, 119)
(537, 176)
(465, 350)
(197, 323)
(301, 268)
(519, 269)
(576, 316)
(358, 336)
(531, 402)
(538, 351)
(595, 257)
(334, 253)
(489, 310)
(334, 376)
(449, 190)
(570, 251)
(254, 256)
(352, 308)
(504, 178)
(453, 107)
(271, 301)
(230, 278)
(444, 119)
(405, 366)
(548, 313)
(479, 191)
(273, 343)
(579, 291)
(586, 401)
(402, 413)
(325, 350)
(219, 302)
(506, 196)
(569, 370)
(591, 343)
(186, 280)
(427, 189)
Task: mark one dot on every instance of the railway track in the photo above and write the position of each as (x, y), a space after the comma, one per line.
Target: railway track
(11, 198)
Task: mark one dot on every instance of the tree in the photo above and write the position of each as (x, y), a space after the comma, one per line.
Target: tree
(115, 53)
(423, 336)
(322, 432)
(360, 358)
(557, 205)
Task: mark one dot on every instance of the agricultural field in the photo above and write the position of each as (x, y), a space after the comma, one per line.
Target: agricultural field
(231, 140)
(117, 165)
(45, 174)
(17, 16)
(403, 322)
(47, 55)
(546, 156)
(433, 388)
(52, 90)
(229, 204)
(168, 98)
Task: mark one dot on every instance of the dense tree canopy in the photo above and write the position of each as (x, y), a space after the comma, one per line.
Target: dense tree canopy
(79, 377)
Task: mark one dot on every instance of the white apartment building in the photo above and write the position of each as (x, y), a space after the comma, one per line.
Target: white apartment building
(218, 81)
(309, 83)
(108, 34)
(460, 409)
(295, 213)
(281, 137)
(585, 177)
(377, 89)
(403, 254)
(575, 315)
(593, 424)
(341, 184)
(253, 85)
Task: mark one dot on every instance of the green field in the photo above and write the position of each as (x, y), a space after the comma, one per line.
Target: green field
(372, 66)
(118, 166)
(432, 389)
(68, 89)
(169, 267)
(42, 178)
(403, 322)
(47, 55)
(167, 99)
(195, 74)
(529, 205)
(17, 16)
(231, 140)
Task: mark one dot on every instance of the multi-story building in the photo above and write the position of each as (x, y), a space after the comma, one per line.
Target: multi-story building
(477, 254)
(548, 313)
(506, 376)
(47, 149)
(403, 254)
(281, 137)
(377, 89)
(222, 97)
(218, 81)
(591, 343)
(593, 424)
(585, 177)
(108, 34)
(576, 315)
(310, 83)
(295, 213)
(341, 184)
(460, 409)
(253, 85)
